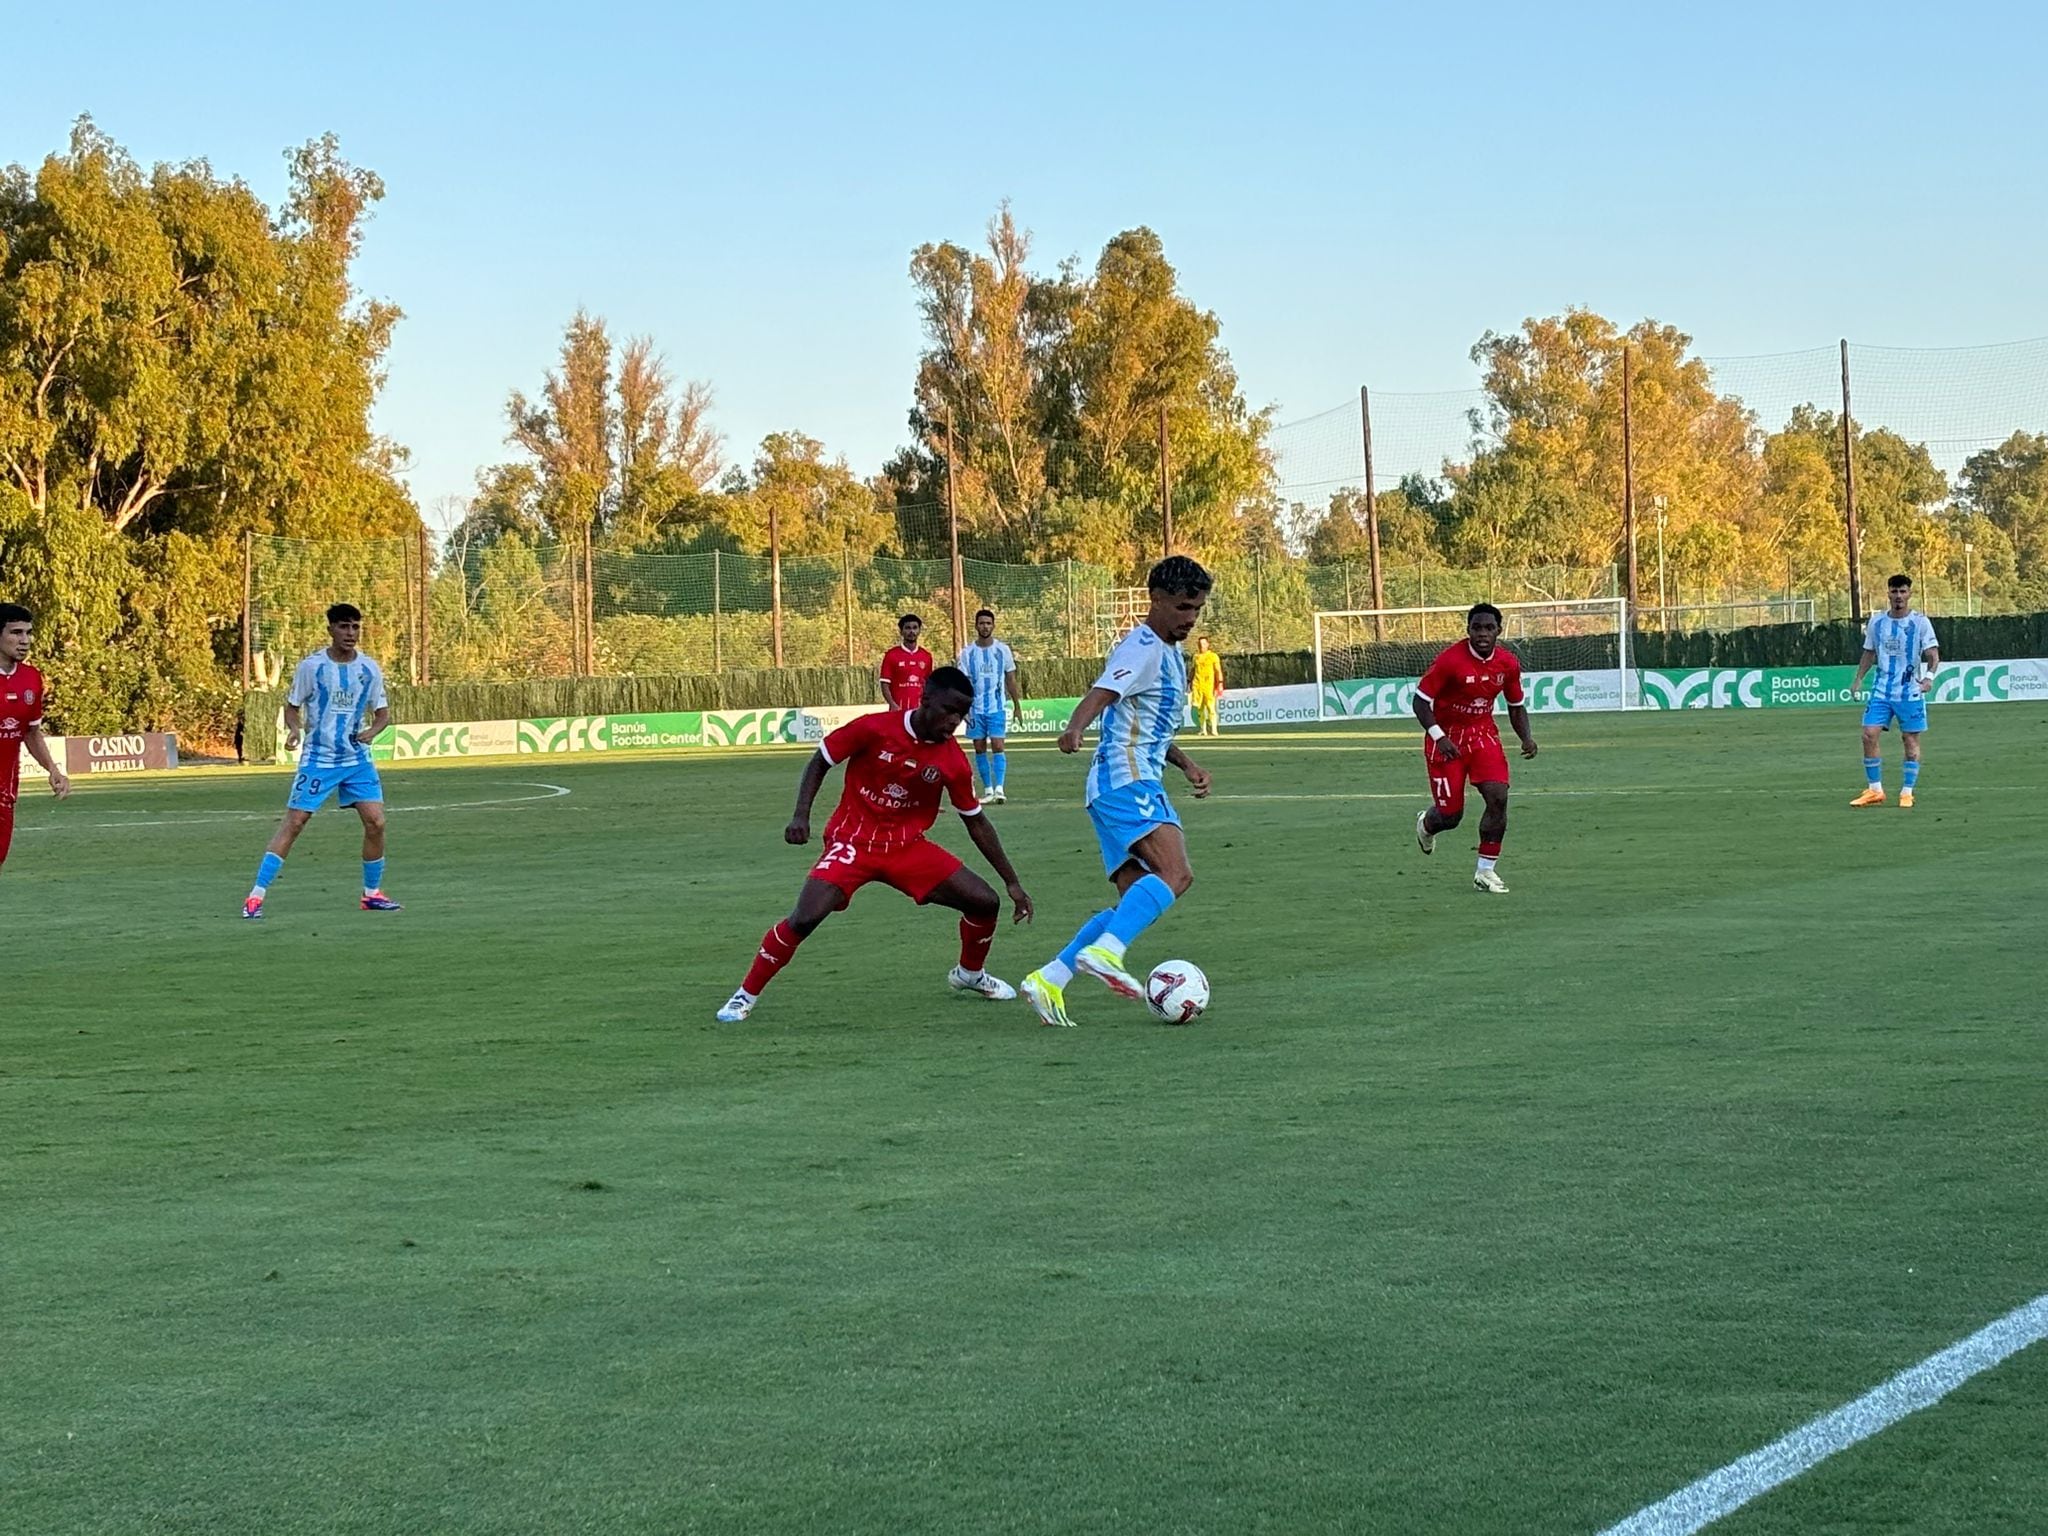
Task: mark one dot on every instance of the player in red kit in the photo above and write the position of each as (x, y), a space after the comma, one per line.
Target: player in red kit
(898, 765)
(1454, 702)
(905, 667)
(21, 717)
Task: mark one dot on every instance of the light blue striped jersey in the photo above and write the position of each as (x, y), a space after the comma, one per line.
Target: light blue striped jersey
(336, 700)
(1150, 678)
(1898, 644)
(986, 666)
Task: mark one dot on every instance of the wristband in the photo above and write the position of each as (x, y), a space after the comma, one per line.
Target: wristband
(1436, 733)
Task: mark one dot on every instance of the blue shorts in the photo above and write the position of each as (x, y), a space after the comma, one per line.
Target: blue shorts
(1911, 714)
(355, 783)
(982, 727)
(1123, 816)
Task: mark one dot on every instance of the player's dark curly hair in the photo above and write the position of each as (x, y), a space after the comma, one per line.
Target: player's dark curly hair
(1178, 576)
(344, 613)
(1479, 608)
(948, 680)
(1900, 580)
(980, 611)
(14, 613)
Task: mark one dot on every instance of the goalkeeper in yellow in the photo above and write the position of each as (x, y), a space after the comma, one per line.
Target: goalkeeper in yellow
(1205, 688)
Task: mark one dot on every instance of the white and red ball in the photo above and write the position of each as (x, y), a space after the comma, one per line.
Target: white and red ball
(1177, 991)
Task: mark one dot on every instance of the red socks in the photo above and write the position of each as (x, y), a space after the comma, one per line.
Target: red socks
(975, 940)
(778, 948)
(1489, 850)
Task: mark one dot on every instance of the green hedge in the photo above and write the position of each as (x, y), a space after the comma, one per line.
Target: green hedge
(1838, 641)
(548, 698)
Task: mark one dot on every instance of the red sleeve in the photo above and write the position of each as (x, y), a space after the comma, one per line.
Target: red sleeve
(960, 785)
(1513, 693)
(35, 710)
(849, 739)
(888, 671)
(1434, 680)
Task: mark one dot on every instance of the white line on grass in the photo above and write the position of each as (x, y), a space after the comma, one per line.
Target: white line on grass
(208, 818)
(1723, 1492)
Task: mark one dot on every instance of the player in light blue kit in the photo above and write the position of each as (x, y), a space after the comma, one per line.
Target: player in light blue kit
(333, 691)
(1900, 644)
(1141, 696)
(992, 667)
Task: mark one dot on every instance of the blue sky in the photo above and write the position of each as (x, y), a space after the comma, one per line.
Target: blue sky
(1357, 191)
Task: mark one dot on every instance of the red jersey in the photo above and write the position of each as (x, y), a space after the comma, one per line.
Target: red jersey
(21, 706)
(905, 672)
(893, 782)
(1461, 688)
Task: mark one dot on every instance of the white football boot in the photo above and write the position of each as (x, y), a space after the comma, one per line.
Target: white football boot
(1490, 880)
(736, 1008)
(1424, 838)
(984, 985)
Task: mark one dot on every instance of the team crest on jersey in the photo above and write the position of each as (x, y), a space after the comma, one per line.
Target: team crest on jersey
(931, 775)
(28, 696)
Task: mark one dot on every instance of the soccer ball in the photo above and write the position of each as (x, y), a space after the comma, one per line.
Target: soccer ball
(1177, 991)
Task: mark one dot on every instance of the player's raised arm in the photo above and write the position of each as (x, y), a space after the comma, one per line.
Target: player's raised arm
(1198, 776)
(983, 832)
(1425, 713)
(39, 748)
(1086, 713)
(799, 829)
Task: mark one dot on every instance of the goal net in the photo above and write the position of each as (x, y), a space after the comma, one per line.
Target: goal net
(1574, 654)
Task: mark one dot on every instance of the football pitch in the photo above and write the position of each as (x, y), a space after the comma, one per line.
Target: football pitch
(1455, 1213)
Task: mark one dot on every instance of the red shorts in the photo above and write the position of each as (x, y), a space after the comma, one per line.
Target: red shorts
(916, 869)
(1480, 760)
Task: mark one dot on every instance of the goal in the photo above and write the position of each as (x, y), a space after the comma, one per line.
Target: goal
(1574, 654)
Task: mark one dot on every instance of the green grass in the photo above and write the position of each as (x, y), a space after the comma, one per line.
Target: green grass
(1454, 1214)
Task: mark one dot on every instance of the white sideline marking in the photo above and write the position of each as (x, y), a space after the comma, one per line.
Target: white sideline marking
(1721, 1493)
(209, 818)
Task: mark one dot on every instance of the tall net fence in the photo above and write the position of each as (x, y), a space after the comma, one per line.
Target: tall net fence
(517, 610)
(1738, 510)
(1563, 636)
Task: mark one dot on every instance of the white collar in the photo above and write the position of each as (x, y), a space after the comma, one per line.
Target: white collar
(1482, 660)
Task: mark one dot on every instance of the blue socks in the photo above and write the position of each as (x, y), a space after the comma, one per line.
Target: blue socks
(373, 875)
(1912, 772)
(266, 872)
(997, 762)
(981, 769)
(1091, 930)
(1873, 769)
(1143, 905)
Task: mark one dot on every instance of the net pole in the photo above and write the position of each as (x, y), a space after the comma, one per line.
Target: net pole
(1165, 490)
(775, 579)
(1259, 594)
(1849, 495)
(589, 602)
(1628, 466)
(411, 619)
(717, 638)
(426, 611)
(846, 595)
(248, 602)
(953, 537)
(1071, 637)
(1372, 516)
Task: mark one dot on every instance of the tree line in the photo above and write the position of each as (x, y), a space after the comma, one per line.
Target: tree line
(181, 365)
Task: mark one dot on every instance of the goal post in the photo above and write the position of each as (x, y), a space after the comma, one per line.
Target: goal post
(1574, 655)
